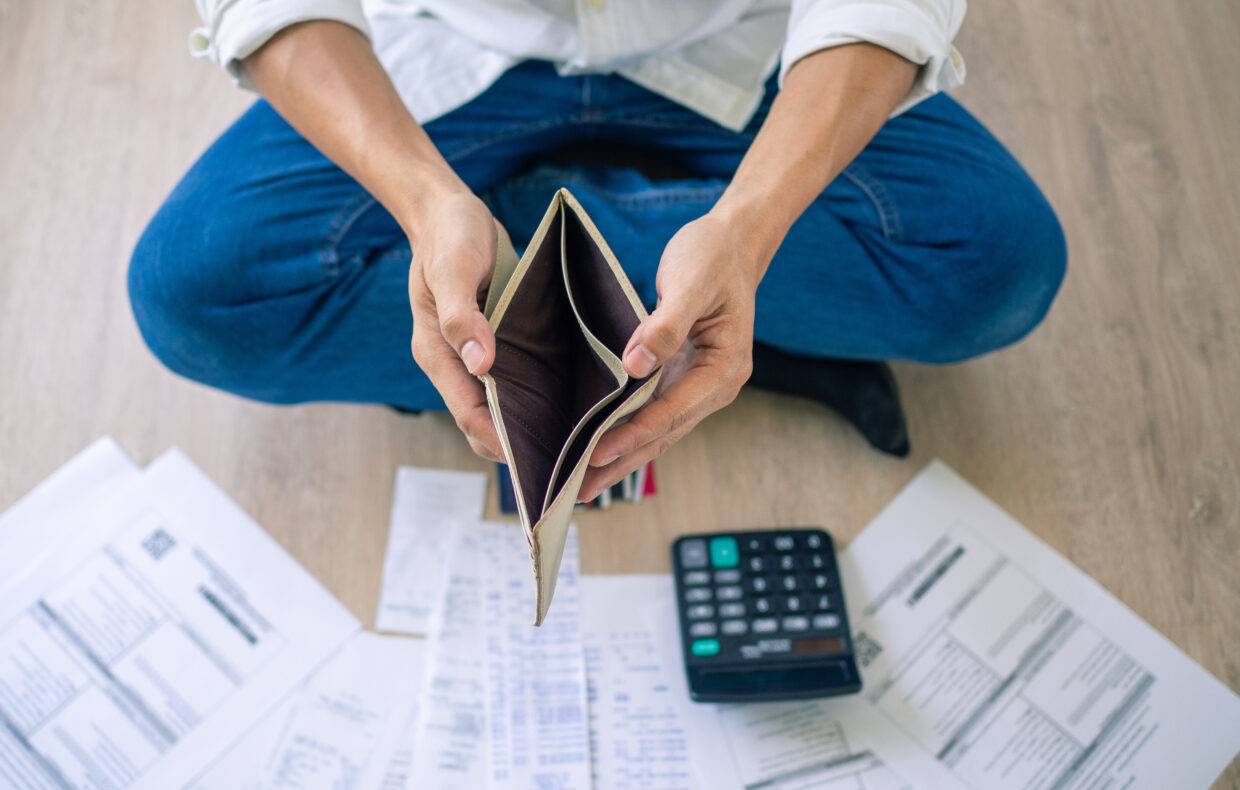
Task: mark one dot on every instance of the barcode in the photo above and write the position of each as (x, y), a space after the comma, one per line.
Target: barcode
(158, 543)
(866, 648)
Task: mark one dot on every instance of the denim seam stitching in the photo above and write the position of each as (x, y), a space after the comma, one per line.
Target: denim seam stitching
(684, 125)
(340, 224)
(564, 120)
(508, 134)
(660, 197)
(879, 197)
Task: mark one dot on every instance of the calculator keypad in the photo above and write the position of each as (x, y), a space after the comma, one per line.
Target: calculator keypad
(771, 585)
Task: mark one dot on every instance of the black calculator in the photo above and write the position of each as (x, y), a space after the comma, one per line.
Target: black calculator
(762, 616)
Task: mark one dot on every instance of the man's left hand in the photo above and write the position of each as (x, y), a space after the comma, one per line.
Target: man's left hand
(701, 331)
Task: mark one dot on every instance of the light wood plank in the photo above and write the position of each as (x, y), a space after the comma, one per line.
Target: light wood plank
(1112, 432)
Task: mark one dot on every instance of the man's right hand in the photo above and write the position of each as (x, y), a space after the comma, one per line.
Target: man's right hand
(454, 246)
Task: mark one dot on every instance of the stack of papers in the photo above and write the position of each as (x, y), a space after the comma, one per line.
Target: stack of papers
(152, 636)
(146, 622)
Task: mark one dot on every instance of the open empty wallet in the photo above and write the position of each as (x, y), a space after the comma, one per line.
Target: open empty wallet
(562, 316)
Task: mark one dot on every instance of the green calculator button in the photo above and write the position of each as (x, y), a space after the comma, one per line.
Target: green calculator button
(724, 552)
(705, 647)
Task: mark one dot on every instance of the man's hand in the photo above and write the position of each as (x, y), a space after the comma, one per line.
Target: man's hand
(701, 331)
(453, 260)
(324, 78)
(832, 103)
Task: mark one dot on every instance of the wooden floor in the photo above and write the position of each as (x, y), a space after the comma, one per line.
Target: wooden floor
(1113, 432)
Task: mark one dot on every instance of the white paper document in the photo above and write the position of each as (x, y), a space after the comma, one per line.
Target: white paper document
(1012, 668)
(59, 506)
(325, 736)
(148, 643)
(449, 743)
(428, 505)
(505, 704)
(638, 738)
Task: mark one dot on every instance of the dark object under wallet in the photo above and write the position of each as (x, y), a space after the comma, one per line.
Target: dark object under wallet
(562, 316)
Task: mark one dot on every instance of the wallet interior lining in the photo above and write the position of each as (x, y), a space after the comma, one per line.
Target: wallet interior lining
(607, 314)
(547, 376)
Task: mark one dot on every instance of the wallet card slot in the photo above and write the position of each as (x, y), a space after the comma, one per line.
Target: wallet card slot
(591, 394)
(607, 318)
(595, 293)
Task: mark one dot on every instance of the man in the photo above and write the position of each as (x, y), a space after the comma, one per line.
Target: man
(828, 202)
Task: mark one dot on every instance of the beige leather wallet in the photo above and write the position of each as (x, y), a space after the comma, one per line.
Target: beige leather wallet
(562, 316)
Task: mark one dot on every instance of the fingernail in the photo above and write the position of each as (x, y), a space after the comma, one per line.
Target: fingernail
(641, 362)
(472, 354)
(607, 460)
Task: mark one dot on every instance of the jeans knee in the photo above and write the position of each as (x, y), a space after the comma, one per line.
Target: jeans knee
(162, 295)
(1007, 274)
(179, 284)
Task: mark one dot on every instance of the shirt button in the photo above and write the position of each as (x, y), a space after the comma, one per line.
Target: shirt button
(199, 41)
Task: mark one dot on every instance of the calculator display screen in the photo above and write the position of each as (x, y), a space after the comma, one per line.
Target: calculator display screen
(830, 645)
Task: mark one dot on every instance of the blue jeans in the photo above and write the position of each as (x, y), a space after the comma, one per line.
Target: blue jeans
(272, 274)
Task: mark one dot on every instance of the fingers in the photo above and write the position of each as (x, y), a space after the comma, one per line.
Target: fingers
(680, 408)
(462, 393)
(659, 337)
(454, 293)
(601, 478)
(662, 422)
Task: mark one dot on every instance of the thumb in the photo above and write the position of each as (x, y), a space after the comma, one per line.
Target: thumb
(657, 338)
(466, 329)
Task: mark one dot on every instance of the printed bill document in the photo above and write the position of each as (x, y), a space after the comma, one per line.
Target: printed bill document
(150, 639)
(1011, 667)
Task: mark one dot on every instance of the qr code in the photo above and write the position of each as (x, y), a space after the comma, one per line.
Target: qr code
(158, 543)
(866, 648)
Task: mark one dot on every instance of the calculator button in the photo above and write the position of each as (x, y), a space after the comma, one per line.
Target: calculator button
(825, 622)
(700, 611)
(706, 628)
(824, 602)
(765, 625)
(729, 593)
(724, 552)
(697, 577)
(787, 562)
(705, 647)
(756, 564)
(697, 594)
(797, 623)
(792, 603)
(727, 577)
(734, 627)
(817, 562)
(761, 605)
(784, 543)
(755, 545)
(820, 582)
(789, 582)
(813, 541)
(693, 553)
(732, 610)
(759, 584)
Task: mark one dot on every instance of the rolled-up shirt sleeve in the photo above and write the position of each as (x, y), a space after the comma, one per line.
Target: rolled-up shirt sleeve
(918, 30)
(233, 29)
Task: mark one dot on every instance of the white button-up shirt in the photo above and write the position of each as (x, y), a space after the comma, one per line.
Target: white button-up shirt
(712, 56)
